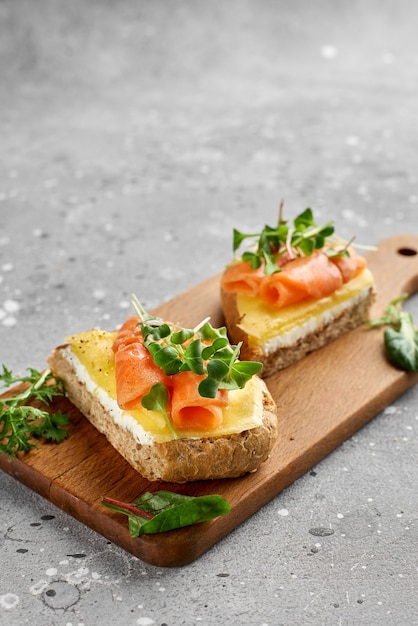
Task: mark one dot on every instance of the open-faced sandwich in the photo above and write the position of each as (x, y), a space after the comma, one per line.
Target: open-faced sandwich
(177, 403)
(299, 288)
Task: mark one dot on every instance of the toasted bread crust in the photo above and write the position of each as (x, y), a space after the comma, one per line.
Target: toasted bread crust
(277, 359)
(179, 460)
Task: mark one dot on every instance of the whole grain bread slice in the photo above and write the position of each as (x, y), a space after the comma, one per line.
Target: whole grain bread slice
(275, 359)
(180, 460)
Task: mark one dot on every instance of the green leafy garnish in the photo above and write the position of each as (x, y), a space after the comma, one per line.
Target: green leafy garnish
(204, 350)
(401, 338)
(20, 422)
(304, 236)
(165, 510)
(156, 400)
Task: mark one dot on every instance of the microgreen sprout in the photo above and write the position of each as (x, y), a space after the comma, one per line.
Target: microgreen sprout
(156, 400)
(303, 237)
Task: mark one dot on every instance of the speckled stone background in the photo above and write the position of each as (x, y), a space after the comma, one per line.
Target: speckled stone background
(133, 137)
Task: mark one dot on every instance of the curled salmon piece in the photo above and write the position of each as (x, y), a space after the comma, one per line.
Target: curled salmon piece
(128, 333)
(349, 266)
(135, 369)
(189, 409)
(304, 278)
(241, 278)
(136, 373)
(301, 278)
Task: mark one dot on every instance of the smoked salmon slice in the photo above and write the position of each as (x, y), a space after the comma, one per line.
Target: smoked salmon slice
(308, 277)
(349, 266)
(136, 373)
(303, 278)
(240, 278)
(128, 333)
(189, 409)
(135, 369)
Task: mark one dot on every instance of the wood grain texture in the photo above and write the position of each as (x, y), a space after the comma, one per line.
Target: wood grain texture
(321, 401)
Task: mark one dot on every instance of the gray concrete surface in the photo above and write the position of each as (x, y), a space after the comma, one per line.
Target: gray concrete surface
(134, 136)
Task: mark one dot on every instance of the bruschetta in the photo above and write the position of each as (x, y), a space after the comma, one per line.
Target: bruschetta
(296, 290)
(176, 403)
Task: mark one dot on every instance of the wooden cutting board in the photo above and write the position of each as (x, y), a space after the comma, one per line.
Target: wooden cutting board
(321, 400)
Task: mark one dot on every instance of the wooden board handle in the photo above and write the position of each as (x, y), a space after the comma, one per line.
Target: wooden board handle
(395, 266)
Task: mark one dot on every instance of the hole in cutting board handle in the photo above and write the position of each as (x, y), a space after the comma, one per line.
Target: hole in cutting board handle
(407, 251)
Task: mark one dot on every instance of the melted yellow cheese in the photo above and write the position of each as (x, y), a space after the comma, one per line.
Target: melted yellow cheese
(262, 323)
(95, 365)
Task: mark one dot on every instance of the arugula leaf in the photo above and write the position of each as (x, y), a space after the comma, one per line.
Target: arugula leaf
(20, 422)
(401, 338)
(49, 427)
(166, 510)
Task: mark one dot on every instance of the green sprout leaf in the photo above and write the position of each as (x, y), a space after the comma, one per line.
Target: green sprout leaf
(242, 371)
(217, 371)
(181, 336)
(253, 259)
(308, 246)
(238, 238)
(270, 266)
(166, 357)
(193, 357)
(304, 220)
(208, 333)
(156, 400)
(219, 344)
(155, 332)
